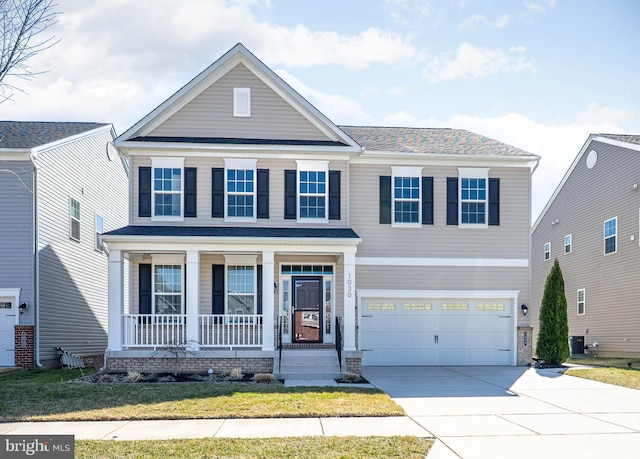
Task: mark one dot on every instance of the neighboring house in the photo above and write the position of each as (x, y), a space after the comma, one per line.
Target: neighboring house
(591, 225)
(61, 184)
(253, 216)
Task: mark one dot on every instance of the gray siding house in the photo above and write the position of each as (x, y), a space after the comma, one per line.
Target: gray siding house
(62, 184)
(591, 225)
(258, 225)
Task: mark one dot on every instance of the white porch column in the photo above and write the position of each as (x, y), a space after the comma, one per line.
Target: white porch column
(115, 302)
(268, 306)
(349, 319)
(192, 303)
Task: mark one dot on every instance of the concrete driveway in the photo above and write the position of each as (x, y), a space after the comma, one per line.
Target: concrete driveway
(515, 412)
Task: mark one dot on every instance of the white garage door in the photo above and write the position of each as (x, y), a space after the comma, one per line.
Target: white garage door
(400, 331)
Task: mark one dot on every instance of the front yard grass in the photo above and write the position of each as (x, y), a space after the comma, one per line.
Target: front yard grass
(292, 447)
(609, 370)
(52, 395)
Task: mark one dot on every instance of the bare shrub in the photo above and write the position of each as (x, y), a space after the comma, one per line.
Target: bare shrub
(350, 378)
(265, 378)
(134, 376)
(235, 374)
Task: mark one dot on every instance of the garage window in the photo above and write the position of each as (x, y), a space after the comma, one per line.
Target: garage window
(381, 306)
(454, 307)
(417, 306)
(490, 306)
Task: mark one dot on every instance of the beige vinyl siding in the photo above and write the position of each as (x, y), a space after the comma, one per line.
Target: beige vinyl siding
(587, 199)
(16, 231)
(404, 278)
(508, 240)
(211, 114)
(73, 275)
(276, 193)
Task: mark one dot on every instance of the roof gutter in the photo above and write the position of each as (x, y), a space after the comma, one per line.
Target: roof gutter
(33, 155)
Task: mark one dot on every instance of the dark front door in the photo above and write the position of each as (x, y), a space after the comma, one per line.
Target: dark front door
(307, 317)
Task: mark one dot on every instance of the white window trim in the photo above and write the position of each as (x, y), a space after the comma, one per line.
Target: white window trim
(241, 260)
(167, 259)
(604, 238)
(403, 171)
(473, 172)
(547, 252)
(570, 245)
(313, 166)
(99, 245)
(584, 302)
(73, 219)
(242, 102)
(167, 163)
(241, 164)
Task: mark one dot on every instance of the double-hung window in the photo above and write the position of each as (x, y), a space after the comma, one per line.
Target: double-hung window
(99, 223)
(547, 250)
(473, 197)
(74, 219)
(313, 191)
(240, 185)
(610, 235)
(567, 243)
(581, 302)
(167, 288)
(241, 285)
(168, 188)
(407, 196)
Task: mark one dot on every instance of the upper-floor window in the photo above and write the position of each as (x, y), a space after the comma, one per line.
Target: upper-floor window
(610, 235)
(567, 243)
(313, 191)
(167, 189)
(406, 195)
(99, 227)
(241, 102)
(547, 251)
(581, 302)
(473, 197)
(240, 196)
(74, 219)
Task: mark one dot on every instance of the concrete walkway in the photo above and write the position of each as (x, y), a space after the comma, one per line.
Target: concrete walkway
(515, 412)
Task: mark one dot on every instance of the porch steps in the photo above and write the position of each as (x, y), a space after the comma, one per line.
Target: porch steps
(307, 364)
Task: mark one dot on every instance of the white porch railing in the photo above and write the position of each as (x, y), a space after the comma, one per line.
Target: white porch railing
(165, 330)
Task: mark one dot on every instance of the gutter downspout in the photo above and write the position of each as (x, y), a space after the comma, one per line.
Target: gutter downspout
(36, 259)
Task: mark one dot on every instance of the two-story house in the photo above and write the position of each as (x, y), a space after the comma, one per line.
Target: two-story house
(257, 223)
(62, 184)
(591, 226)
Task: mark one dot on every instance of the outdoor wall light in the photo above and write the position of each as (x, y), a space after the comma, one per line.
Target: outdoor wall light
(275, 287)
(524, 308)
(22, 308)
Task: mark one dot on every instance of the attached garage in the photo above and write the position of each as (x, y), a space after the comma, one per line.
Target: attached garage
(437, 328)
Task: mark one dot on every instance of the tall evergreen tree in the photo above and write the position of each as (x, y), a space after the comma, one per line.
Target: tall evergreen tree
(553, 335)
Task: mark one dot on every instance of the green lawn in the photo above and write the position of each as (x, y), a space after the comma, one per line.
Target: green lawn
(292, 447)
(52, 395)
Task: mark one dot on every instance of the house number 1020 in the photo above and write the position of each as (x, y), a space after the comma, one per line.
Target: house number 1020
(349, 287)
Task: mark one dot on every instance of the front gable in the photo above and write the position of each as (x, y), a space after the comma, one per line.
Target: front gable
(203, 111)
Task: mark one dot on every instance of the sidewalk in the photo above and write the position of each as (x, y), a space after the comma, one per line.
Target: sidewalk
(221, 428)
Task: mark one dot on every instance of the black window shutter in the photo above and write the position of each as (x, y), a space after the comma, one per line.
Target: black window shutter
(427, 200)
(217, 192)
(385, 199)
(334, 195)
(263, 193)
(218, 289)
(452, 200)
(290, 204)
(144, 192)
(259, 302)
(494, 201)
(190, 191)
(144, 288)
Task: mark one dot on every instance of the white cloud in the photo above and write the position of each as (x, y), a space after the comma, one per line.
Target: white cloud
(476, 20)
(472, 62)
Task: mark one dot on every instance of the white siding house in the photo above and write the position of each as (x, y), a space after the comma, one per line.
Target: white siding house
(66, 185)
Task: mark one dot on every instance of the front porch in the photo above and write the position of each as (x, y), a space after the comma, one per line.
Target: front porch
(197, 302)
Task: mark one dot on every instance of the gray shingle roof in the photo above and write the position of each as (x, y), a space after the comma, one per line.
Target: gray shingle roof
(429, 141)
(623, 137)
(228, 231)
(30, 134)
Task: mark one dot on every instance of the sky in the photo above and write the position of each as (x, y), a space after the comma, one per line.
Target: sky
(540, 75)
